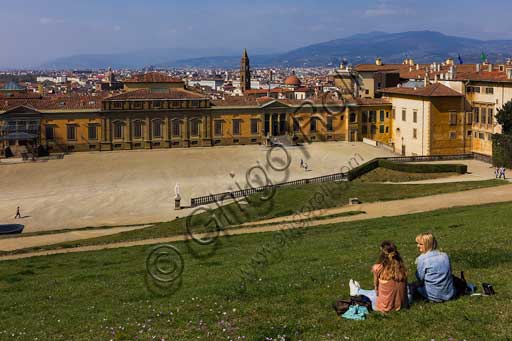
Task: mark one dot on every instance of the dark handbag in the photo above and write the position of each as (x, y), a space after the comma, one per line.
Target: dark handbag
(361, 300)
(488, 289)
(341, 306)
(460, 284)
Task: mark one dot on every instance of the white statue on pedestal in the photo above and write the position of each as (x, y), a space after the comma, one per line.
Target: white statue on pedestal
(177, 195)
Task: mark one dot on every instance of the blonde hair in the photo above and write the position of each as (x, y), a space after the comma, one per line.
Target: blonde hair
(428, 240)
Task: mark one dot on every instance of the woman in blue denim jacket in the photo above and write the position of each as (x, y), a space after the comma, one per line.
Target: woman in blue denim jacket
(434, 272)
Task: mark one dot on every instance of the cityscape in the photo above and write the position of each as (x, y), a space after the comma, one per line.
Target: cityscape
(202, 189)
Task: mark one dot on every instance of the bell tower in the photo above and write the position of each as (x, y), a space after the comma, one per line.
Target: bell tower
(245, 72)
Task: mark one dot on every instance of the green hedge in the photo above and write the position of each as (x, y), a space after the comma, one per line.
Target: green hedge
(424, 167)
(363, 169)
(502, 150)
(406, 167)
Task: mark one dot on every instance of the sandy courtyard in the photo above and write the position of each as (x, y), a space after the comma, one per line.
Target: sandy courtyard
(132, 187)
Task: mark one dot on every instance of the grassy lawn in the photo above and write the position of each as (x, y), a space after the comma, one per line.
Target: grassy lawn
(285, 202)
(390, 175)
(105, 295)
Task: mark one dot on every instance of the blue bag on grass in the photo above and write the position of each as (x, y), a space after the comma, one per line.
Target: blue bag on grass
(356, 312)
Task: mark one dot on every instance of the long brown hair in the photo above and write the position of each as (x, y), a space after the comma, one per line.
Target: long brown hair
(393, 267)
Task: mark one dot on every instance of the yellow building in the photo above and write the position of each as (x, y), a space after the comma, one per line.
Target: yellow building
(430, 120)
(160, 113)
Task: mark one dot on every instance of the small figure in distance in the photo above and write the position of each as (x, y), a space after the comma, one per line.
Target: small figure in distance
(18, 214)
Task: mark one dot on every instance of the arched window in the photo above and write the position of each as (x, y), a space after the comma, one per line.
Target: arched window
(118, 130)
(195, 126)
(176, 131)
(157, 128)
(137, 129)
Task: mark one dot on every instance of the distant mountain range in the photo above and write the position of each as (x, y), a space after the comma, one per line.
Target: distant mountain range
(422, 46)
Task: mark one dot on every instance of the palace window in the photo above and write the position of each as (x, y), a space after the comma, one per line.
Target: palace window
(353, 117)
(49, 132)
(476, 114)
(93, 132)
(364, 116)
(373, 116)
(194, 128)
(382, 115)
(175, 125)
(236, 126)
(489, 91)
(364, 129)
(415, 116)
(489, 116)
(453, 118)
(481, 136)
(118, 130)
(329, 123)
(312, 124)
(137, 129)
(393, 113)
(218, 128)
(404, 115)
(157, 129)
(453, 135)
(483, 115)
(415, 133)
(381, 129)
(469, 118)
(137, 105)
(117, 105)
(71, 132)
(157, 104)
(254, 126)
(373, 129)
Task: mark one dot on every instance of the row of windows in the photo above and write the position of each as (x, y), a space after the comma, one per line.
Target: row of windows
(157, 104)
(477, 89)
(483, 115)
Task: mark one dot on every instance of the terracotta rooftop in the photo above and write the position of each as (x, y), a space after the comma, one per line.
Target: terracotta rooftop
(152, 77)
(432, 90)
(72, 102)
(145, 94)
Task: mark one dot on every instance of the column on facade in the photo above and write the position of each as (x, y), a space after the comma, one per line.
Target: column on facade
(147, 129)
(103, 130)
(167, 130)
(109, 130)
(129, 136)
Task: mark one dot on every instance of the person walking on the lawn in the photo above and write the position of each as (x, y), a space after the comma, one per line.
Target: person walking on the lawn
(18, 214)
(502, 173)
(497, 172)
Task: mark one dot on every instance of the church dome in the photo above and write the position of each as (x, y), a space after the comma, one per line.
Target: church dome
(292, 80)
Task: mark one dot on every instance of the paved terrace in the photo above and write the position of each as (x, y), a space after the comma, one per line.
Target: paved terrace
(137, 187)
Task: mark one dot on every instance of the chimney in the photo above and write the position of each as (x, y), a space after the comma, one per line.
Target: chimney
(477, 67)
(417, 66)
(438, 67)
(426, 81)
(489, 67)
(378, 62)
(509, 73)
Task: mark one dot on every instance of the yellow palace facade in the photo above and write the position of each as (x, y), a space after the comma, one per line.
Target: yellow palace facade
(155, 113)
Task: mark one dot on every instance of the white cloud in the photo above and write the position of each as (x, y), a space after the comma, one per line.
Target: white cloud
(49, 21)
(384, 11)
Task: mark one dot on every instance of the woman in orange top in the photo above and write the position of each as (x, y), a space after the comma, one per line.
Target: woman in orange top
(389, 281)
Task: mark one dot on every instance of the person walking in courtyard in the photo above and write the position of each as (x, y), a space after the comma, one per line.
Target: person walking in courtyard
(502, 172)
(497, 172)
(301, 163)
(305, 167)
(18, 214)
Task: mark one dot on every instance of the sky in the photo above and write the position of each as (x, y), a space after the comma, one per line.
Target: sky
(36, 31)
